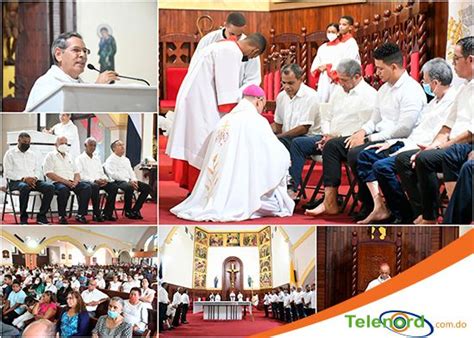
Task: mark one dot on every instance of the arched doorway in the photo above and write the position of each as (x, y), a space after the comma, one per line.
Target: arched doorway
(125, 257)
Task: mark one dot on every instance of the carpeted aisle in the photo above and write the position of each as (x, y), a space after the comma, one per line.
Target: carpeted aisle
(198, 327)
(170, 194)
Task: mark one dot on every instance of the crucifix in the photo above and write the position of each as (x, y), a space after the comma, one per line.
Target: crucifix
(232, 271)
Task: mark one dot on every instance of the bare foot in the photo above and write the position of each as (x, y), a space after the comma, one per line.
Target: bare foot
(321, 209)
(418, 220)
(378, 214)
(424, 221)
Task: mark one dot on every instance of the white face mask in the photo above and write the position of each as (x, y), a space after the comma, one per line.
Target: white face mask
(331, 36)
(63, 148)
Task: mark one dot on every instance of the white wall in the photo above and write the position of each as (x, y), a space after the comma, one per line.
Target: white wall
(6, 245)
(177, 258)
(54, 254)
(134, 26)
(280, 258)
(303, 255)
(69, 249)
(248, 256)
(103, 257)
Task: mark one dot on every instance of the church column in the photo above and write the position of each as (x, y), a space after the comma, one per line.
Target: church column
(31, 260)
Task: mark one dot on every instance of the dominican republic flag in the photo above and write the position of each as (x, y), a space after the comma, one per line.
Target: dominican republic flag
(134, 138)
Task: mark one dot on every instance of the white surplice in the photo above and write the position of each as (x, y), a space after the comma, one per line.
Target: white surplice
(212, 80)
(244, 172)
(249, 70)
(46, 84)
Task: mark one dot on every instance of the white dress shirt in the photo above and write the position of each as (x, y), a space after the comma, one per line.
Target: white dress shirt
(75, 285)
(69, 130)
(280, 296)
(302, 109)
(313, 300)
(249, 71)
(18, 164)
(376, 282)
(299, 297)
(89, 168)
(119, 168)
(185, 298)
(347, 112)
(307, 298)
(94, 296)
(397, 109)
(163, 295)
(136, 314)
(460, 118)
(101, 283)
(286, 301)
(51, 288)
(47, 84)
(266, 299)
(63, 166)
(176, 298)
(115, 286)
(432, 119)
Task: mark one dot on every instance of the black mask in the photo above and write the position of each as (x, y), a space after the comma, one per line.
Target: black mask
(24, 147)
(245, 58)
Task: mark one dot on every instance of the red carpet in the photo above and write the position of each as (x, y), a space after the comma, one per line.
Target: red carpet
(171, 194)
(197, 327)
(148, 212)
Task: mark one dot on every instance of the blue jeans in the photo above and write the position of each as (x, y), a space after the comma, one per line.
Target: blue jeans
(83, 193)
(381, 167)
(301, 148)
(47, 189)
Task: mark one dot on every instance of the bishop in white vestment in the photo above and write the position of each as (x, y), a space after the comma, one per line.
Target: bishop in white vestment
(244, 172)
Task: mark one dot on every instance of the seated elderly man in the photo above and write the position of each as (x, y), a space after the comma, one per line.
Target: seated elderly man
(376, 164)
(24, 173)
(59, 167)
(349, 107)
(119, 168)
(244, 170)
(40, 328)
(92, 297)
(91, 170)
(296, 107)
(69, 54)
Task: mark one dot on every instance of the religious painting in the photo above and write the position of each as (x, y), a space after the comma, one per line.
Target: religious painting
(200, 266)
(250, 239)
(200, 252)
(199, 281)
(107, 48)
(216, 240)
(265, 280)
(63, 256)
(264, 236)
(70, 256)
(233, 239)
(6, 254)
(265, 266)
(265, 251)
(201, 236)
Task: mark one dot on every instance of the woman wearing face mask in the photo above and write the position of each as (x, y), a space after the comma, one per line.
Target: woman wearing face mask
(74, 320)
(113, 325)
(46, 308)
(327, 58)
(37, 288)
(64, 291)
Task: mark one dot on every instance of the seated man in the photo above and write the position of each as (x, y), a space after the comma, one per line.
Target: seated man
(24, 172)
(13, 307)
(91, 170)
(119, 168)
(92, 297)
(246, 169)
(69, 54)
(135, 312)
(59, 168)
(384, 275)
(376, 163)
(297, 108)
(350, 106)
(418, 170)
(399, 103)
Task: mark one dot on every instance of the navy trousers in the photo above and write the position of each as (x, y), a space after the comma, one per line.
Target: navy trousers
(82, 191)
(460, 206)
(47, 189)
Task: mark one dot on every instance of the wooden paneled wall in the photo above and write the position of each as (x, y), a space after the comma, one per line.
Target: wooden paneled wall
(291, 21)
(334, 255)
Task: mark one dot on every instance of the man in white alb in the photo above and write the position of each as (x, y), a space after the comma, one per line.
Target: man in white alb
(69, 54)
(245, 169)
(210, 89)
(119, 168)
(234, 30)
(23, 171)
(384, 275)
(91, 170)
(67, 128)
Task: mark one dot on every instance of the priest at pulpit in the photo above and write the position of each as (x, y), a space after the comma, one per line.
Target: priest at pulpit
(69, 54)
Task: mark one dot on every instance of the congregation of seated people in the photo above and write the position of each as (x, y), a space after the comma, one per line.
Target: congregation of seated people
(61, 173)
(408, 145)
(98, 301)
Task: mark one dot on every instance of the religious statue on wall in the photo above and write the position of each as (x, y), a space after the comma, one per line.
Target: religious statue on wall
(11, 29)
(107, 48)
(216, 282)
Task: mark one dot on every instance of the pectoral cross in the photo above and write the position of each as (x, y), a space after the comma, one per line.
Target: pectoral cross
(232, 271)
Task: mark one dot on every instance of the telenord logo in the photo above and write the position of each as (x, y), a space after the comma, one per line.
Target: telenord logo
(401, 322)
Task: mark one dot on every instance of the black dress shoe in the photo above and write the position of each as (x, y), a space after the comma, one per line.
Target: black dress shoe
(138, 215)
(109, 218)
(130, 214)
(23, 220)
(42, 220)
(81, 219)
(63, 220)
(97, 218)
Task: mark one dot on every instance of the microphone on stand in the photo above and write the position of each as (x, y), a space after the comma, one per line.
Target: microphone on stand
(91, 67)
